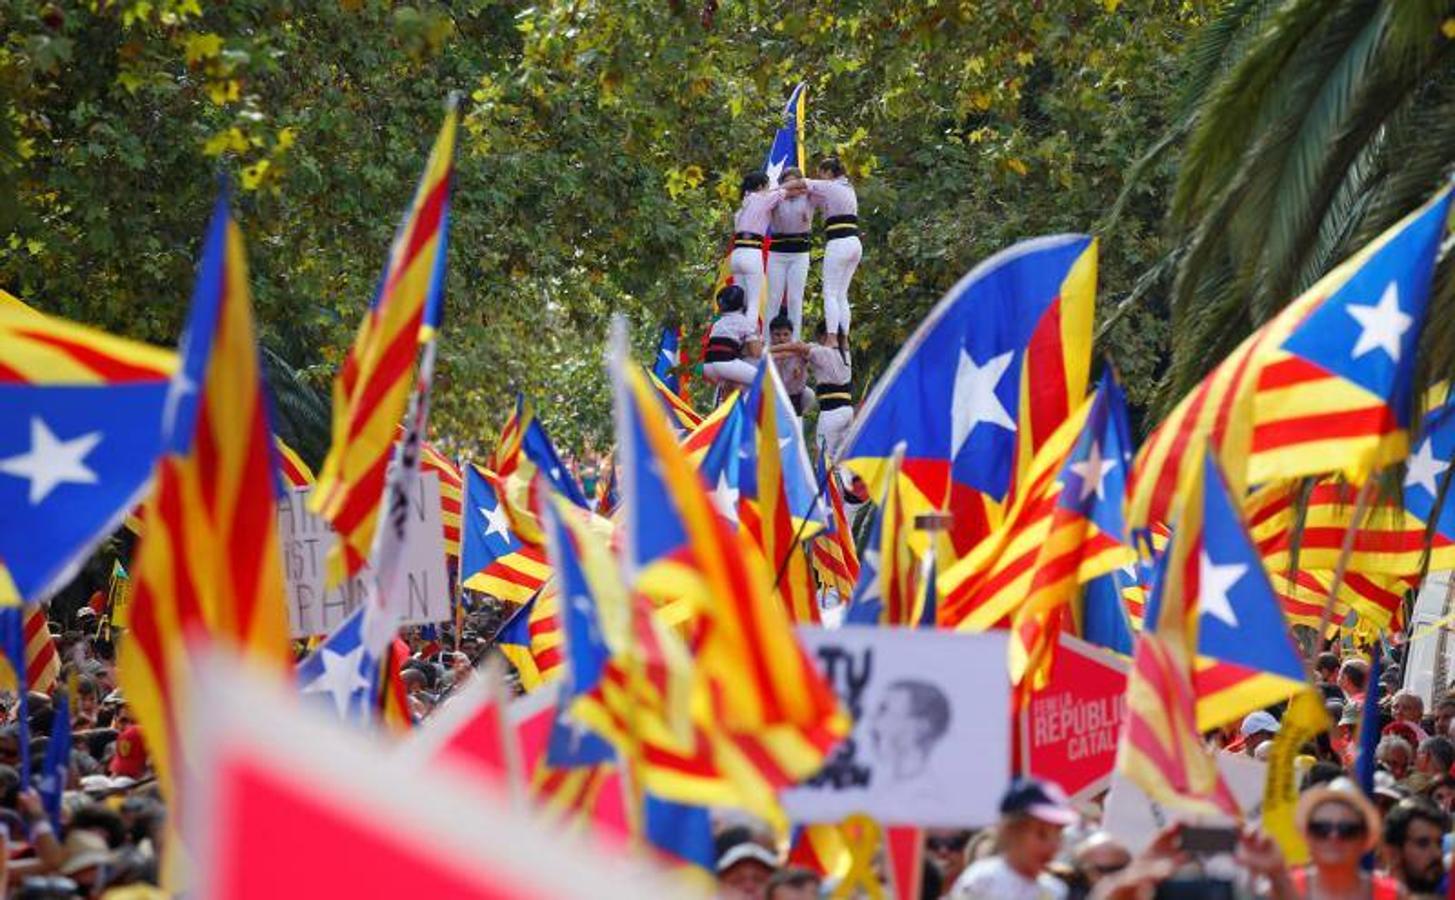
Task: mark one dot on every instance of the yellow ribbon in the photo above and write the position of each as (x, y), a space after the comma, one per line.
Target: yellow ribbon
(861, 837)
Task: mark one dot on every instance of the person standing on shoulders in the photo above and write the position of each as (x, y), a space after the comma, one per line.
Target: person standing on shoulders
(750, 223)
(792, 223)
(832, 194)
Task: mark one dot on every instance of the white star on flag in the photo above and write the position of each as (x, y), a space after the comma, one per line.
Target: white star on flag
(725, 498)
(1424, 468)
(973, 399)
(1213, 583)
(775, 171)
(341, 677)
(51, 461)
(496, 522)
(1093, 471)
(1381, 327)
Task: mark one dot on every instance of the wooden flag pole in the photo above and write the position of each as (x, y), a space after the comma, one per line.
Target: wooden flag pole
(1346, 550)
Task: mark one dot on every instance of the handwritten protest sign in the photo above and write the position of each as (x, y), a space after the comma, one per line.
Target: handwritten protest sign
(306, 538)
(1069, 729)
(1135, 819)
(931, 738)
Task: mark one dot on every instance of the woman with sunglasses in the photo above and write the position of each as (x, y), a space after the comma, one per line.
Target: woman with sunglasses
(1340, 826)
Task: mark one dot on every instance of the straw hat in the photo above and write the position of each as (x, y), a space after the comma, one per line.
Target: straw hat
(1340, 790)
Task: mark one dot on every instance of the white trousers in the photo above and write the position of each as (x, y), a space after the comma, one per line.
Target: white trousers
(833, 428)
(787, 275)
(840, 259)
(736, 371)
(747, 264)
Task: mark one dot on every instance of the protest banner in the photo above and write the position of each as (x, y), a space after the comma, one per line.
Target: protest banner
(305, 539)
(1070, 727)
(1135, 819)
(931, 739)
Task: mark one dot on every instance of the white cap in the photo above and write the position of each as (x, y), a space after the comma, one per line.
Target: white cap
(1258, 721)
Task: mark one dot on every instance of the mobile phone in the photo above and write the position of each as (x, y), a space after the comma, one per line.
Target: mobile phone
(1208, 840)
(1194, 888)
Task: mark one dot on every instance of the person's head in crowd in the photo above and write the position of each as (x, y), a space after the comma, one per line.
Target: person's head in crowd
(129, 758)
(780, 330)
(731, 299)
(9, 745)
(1434, 756)
(1321, 772)
(752, 183)
(1407, 706)
(1347, 726)
(41, 714)
(1444, 716)
(1098, 856)
(793, 883)
(1354, 678)
(1327, 667)
(1391, 678)
(1257, 728)
(743, 865)
(1387, 791)
(1340, 826)
(86, 701)
(1033, 814)
(103, 820)
(946, 849)
(1441, 792)
(1395, 755)
(830, 167)
(1413, 830)
(87, 856)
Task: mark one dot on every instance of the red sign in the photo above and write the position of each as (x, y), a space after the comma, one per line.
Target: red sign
(1069, 729)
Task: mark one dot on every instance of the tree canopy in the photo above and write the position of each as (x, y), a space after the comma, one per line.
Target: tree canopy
(601, 148)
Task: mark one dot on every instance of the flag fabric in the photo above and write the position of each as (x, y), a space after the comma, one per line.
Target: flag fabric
(665, 365)
(1365, 762)
(494, 560)
(340, 676)
(55, 771)
(391, 700)
(764, 461)
(452, 487)
(1104, 618)
(887, 592)
(1321, 387)
(523, 452)
(1335, 395)
(1161, 749)
(680, 835)
(373, 385)
(261, 799)
(1015, 337)
(1389, 540)
(42, 660)
(984, 588)
(786, 151)
(208, 570)
(1087, 536)
(1246, 659)
(767, 696)
(12, 647)
(80, 432)
(835, 559)
(683, 417)
(531, 640)
(295, 471)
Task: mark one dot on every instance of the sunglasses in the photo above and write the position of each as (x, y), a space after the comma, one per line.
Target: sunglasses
(1343, 831)
(955, 844)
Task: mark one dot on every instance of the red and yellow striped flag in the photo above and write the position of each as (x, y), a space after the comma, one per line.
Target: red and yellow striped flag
(208, 571)
(374, 383)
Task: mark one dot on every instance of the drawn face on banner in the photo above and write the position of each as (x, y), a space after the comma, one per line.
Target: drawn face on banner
(907, 723)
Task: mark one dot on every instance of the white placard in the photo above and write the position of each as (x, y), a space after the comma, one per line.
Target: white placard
(1135, 819)
(306, 539)
(931, 739)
